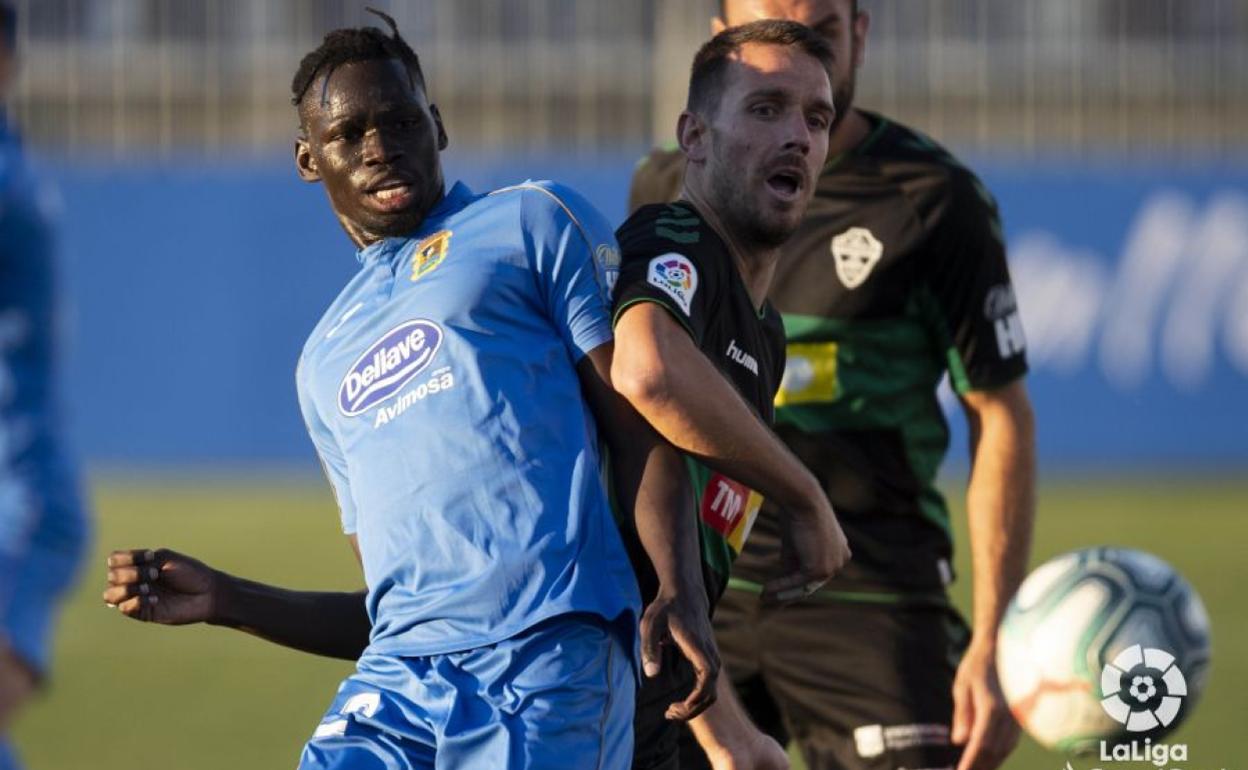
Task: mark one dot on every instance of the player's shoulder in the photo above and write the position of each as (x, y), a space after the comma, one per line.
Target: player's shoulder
(661, 228)
(544, 199)
(657, 178)
(345, 307)
(924, 168)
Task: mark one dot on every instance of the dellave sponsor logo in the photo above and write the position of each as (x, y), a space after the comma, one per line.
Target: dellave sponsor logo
(388, 364)
(441, 380)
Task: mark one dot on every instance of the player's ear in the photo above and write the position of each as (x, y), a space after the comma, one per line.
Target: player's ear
(691, 134)
(443, 139)
(862, 24)
(305, 164)
(717, 25)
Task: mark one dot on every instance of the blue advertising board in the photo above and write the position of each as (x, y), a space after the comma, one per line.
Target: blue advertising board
(191, 290)
(1133, 288)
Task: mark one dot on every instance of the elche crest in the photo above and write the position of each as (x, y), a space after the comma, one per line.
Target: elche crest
(856, 253)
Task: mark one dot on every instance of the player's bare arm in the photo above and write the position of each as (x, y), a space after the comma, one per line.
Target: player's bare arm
(166, 587)
(731, 740)
(679, 391)
(1001, 511)
(651, 485)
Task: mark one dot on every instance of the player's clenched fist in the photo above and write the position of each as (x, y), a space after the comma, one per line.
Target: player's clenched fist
(814, 549)
(161, 586)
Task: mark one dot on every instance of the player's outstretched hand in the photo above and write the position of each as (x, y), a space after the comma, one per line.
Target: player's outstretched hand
(981, 718)
(813, 548)
(161, 586)
(687, 623)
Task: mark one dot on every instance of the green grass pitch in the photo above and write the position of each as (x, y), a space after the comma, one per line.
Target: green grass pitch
(124, 694)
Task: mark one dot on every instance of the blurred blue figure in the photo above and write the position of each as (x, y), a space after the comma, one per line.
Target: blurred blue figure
(43, 526)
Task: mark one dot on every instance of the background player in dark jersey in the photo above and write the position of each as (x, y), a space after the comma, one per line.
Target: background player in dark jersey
(43, 525)
(897, 276)
(699, 350)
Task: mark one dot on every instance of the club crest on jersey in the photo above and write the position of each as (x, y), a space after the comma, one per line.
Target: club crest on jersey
(856, 252)
(608, 259)
(676, 277)
(429, 254)
(388, 364)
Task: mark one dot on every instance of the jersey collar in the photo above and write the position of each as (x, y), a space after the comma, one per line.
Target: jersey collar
(879, 124)
(454, 200)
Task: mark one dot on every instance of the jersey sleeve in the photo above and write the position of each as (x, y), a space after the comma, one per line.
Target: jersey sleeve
(576, 260)
(661, 263)
(970, 283)
(327, 451)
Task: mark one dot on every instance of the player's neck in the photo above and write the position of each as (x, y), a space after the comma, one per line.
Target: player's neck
(756, 265)
(849, 133)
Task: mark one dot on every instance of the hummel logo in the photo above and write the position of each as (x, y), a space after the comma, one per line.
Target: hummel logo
(743, 358)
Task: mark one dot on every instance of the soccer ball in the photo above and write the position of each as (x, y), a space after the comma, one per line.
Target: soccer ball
(1103, 644)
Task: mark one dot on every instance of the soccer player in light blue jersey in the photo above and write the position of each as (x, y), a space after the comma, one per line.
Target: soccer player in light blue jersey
(454, 392)
(43, 524)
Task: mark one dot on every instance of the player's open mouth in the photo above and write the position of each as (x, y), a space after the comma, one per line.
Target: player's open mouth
(392, 196)
(785, 184)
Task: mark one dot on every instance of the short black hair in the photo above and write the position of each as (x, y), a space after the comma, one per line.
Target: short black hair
(343, 46)
(706, 80)
(8, 26)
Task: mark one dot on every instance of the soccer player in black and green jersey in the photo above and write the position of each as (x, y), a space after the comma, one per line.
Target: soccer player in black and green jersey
(699, 351)
(897, 276)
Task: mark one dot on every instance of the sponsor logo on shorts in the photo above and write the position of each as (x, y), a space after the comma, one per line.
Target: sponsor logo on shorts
(430, 253)
(676, 277)
(388, 364)
(366, 704)
(856, 252)
(873, 740)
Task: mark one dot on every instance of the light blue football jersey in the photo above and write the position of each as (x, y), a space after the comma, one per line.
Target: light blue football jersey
(441, 392)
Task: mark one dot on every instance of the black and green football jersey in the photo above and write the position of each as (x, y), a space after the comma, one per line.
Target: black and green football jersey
(671, 256)
(897, 276)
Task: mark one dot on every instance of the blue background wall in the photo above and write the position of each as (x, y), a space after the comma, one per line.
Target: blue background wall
(191, 290)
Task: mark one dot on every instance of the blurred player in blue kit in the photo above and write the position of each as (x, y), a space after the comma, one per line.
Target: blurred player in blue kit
(43, 524)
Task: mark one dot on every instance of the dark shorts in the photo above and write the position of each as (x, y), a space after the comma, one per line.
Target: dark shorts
(858, 686)
(657, 740)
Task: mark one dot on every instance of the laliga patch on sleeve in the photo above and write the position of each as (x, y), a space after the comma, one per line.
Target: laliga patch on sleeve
(676, 277)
